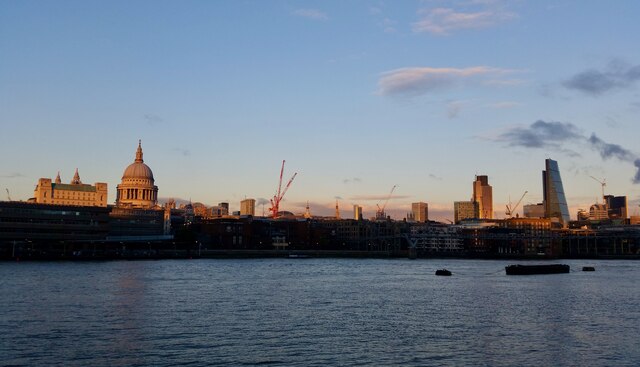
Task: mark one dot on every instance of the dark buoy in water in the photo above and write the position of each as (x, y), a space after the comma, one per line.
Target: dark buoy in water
(588, 268)
(443, 272)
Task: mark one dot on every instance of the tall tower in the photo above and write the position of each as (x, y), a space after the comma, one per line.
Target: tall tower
(337, 210)
(483, 195)
(554, 201)
(357, 212)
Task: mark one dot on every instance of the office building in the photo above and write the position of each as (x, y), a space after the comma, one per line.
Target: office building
(533, 210)
(248, 207)
(465, 210)
(357, 212)
(420, 212)
(483, 195)
(617, 206)
(598, 212)
(74, 193)
(555, 202)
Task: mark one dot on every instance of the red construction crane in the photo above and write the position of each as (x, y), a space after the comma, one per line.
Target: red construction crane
(275, 202)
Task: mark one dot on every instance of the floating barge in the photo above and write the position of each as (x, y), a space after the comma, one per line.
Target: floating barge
(537, 269)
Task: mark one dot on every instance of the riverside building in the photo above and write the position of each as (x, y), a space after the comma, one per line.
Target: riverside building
(74, 193)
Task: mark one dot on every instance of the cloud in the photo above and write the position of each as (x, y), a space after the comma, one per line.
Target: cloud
(454, 108)
(184, 152)
(378, 197)
(314, 14)
(13, 175)
(444, 21)
(541, 134)
(607, 150)
(617, 75)
(262, 201)
(413, 81)
(504, 105)
(431, 175)
(554, 135)
(352, 180)
(152, 119)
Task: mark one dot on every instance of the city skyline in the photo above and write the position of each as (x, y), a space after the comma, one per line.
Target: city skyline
(357, 97)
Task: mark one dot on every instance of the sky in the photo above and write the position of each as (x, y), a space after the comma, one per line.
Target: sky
(356, 96)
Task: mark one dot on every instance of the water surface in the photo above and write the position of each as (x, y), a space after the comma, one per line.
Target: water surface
(317, 312)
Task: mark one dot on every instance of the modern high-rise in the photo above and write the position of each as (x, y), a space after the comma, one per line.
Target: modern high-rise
(357, 212)
(617, 206)
(248, 207)
(483, 195)
(554, 200)
(420, 212)
(464, 210)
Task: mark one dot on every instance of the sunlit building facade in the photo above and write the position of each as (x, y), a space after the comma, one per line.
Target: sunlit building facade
(483, 195)
(74, 193)
(137, 189)
(420, 212)
(465, 210)
(248, 207)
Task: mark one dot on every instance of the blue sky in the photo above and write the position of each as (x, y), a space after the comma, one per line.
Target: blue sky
(357, 96)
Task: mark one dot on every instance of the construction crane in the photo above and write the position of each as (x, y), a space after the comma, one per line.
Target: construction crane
(380, 214)
(602, 183)
(8, 195)
(275, 202)
(510, 210)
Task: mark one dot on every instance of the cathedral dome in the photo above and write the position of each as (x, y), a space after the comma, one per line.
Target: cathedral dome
(137, 169)
(137, 189)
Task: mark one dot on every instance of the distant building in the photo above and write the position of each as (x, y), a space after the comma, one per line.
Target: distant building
(465, 210)
(483, 195)
(137, 189)
(248, 207)
(582, 215)
(617, 206)
(533, 210)
(420, 212)
(598, 212)
(555, 202)
(74, 193)
(357, 212)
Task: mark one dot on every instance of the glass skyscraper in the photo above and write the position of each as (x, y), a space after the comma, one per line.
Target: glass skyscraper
(555, 203)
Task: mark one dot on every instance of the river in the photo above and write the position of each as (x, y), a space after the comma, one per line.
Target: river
(317, 312)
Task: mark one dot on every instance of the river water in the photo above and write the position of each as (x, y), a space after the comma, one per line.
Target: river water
(317, 312)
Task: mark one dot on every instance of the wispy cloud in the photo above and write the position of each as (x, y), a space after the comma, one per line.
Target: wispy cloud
(504, 105)
(183, 151)
(152, 119)
(413, 81)
(444, 21)
(352, 180)
(378, 197)
(454, 108)
(13, 175)
(593, 82)
(314, 14)
(555, 135)
(431, 175)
